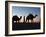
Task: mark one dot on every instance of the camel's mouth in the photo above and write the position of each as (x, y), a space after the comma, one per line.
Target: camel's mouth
(36, 15)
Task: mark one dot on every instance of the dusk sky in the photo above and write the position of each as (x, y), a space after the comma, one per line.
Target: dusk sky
(24, 11)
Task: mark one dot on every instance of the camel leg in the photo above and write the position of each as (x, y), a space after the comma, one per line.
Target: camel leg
(28, 21)
(18, 21)
(31, 21)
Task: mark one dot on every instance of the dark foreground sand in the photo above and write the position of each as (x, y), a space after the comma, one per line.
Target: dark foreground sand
(25, 26)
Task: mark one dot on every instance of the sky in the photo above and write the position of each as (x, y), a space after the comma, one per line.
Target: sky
(24, 11)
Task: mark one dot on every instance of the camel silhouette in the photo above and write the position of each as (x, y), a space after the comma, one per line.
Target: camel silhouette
(16, 18)
(30, 17)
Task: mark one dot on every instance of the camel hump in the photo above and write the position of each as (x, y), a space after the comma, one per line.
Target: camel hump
(30, 15)
(15, 16)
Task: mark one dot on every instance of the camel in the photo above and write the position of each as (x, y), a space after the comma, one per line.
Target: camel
(30, 17)
(16, 18)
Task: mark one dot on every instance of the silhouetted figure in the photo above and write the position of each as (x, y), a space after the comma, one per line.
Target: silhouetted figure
(30, 17)
(16, 18)
(24, 20)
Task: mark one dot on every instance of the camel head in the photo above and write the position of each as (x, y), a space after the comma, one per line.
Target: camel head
(35, 16)
(20, 17)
